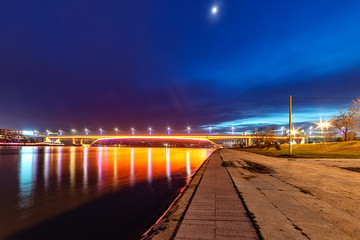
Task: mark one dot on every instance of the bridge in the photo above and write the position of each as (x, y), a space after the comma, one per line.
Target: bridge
(93, 139)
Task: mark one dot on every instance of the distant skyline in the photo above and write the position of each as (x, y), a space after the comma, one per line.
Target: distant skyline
(71, 64)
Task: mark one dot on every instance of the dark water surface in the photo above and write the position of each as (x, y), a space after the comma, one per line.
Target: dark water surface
(89, 193)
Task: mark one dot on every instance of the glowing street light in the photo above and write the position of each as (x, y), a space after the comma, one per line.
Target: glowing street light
(101, 131)
(168, 129)
(310, 130)
(86, 131)
(73, 131)
(282, 130)
(47, 132)
(188, 129)
(132, 131)
(210, 130)
(232, 130)
(36, 132)
(150, 130)
(326, 124)
(116, 130)
(61, 132)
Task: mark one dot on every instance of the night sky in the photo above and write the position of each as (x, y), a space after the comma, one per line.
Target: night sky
(139, 63)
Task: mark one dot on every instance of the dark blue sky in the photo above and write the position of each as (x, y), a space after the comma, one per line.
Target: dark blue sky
(67, 64)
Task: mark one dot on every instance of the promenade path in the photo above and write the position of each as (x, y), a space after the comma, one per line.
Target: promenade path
(287, 198)
(298, 198)
(216, 210)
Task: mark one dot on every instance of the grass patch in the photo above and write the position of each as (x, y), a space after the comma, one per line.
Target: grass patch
(354, 169)
(318, 150)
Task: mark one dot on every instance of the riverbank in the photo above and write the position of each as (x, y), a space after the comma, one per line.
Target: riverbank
(318, 150)
(208, 208)
(284, 198)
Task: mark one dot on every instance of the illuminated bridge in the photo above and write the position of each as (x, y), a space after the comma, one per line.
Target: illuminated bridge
(218, 140)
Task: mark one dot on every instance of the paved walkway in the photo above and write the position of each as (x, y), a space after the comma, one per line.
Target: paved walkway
(216, 211)
(301, 198)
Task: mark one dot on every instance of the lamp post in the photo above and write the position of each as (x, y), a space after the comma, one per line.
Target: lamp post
(290, 126)
(86, 131)
(116, 130)
(210, 130)
(232, 130)
(132, 131)
(150, 130)
(168, 129)
(73, 131)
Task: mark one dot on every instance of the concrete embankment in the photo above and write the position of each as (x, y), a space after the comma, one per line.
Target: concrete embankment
(209, 208)
(256, 196)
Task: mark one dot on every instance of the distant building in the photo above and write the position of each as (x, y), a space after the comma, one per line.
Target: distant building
(11, 135)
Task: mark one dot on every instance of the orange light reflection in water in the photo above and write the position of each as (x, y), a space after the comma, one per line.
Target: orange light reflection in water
(47, 181)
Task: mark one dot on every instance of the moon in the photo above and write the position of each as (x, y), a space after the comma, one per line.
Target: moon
(214, 10)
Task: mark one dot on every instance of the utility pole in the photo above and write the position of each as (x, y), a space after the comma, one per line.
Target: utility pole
(290, 126)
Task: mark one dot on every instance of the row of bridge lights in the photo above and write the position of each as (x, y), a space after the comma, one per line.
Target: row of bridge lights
(283, 130)
(116, 130)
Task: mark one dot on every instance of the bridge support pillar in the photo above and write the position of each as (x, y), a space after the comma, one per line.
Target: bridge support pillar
(249, 142)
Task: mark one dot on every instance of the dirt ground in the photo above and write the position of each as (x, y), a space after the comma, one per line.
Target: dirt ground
(315, 198)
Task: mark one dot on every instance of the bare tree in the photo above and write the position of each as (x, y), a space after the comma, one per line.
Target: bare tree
(347, 121)
(265, 137)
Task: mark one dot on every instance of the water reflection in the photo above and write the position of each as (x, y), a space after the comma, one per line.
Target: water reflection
(149, 166)
(115, 182)
(46, 166)
(72, 166)
(85, 168)
(188, 168)
(26, 176)
(132, 169)
(168, 168)
(59, 165)
(70, 176)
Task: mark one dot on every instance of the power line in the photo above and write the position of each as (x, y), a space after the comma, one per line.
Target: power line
(328, 98)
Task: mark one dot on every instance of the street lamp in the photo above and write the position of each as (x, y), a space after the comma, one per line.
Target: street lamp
(232, 129)
(188, 130)
(116, 130)
(101, 131)
(150, 130)
(47, 132)
(168, 130)
(36, 132)
(86, 131)
(323, 125)
(60, 132)
(73, 131)
(210, 130)
(132, 131)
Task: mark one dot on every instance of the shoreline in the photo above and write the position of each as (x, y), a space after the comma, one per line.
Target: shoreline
(167, 225)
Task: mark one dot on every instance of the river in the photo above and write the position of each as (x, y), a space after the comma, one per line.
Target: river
(89, 193)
